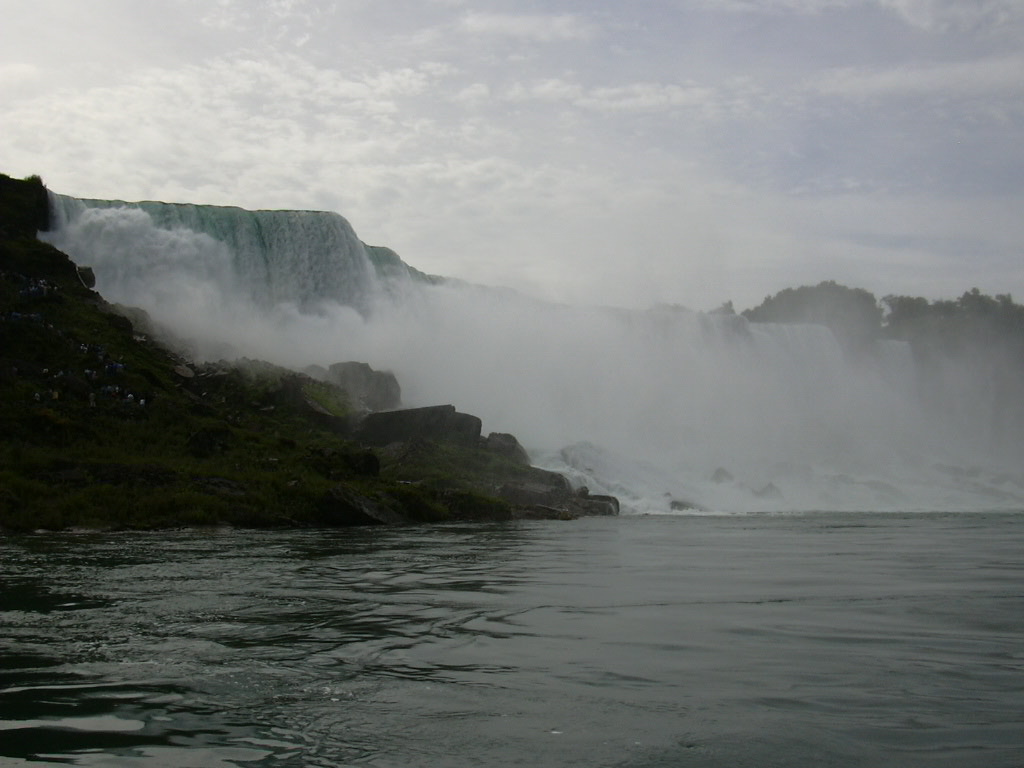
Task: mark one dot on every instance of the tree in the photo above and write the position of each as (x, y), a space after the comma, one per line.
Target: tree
(852, 314)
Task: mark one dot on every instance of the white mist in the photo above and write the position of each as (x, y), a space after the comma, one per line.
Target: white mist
(646, 405)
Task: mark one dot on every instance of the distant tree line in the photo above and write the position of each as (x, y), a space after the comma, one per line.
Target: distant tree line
(969, 351)
(949, 327)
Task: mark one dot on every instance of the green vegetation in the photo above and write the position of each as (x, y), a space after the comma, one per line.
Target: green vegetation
(956, 329)
(852, 314)
(102, 427)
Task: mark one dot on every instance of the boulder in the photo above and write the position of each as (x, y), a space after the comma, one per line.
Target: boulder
(317, 372)
(369, 389)
(722, 475)
(506, 445)
(435, 422)
(293, 392)
(596, 505)
(87, 276)
(342, 506)
(539, 488)
(770, 491)
(684, 505)
(549, 495)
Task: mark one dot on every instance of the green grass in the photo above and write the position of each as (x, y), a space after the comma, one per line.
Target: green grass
(247, 445)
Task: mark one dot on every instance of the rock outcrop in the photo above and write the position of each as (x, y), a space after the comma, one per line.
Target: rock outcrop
(342, 506)
(435, 422)
(542, 493)
(508, 446)
(105, 426)
(369, 390)
(441, 451)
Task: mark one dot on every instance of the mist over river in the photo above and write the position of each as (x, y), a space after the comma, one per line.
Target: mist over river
(655, 406)
(812, 639)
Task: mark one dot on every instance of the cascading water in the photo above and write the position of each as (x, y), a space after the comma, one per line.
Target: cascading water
(296, 257)
(664, 408)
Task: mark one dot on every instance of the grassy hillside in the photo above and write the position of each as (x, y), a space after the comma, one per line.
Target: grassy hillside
(100, 426)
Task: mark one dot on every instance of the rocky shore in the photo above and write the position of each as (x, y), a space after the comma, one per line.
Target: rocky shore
(104, 427)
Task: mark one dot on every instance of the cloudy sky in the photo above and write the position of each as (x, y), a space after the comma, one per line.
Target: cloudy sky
(599, 151)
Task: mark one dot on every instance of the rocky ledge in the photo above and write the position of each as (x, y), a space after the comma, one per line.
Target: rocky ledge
(412, 440)
(106, 423)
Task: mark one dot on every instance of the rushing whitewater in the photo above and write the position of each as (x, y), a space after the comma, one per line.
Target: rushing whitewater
(665, 408)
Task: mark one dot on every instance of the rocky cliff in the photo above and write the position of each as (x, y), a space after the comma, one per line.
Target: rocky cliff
(101, 426)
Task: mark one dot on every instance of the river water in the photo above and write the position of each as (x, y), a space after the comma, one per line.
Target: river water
(761, 640)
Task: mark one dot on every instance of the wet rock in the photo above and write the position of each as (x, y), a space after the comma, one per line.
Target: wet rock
(684, 505)
(722, 475)
(770, 491)
(317, 372)
(369, 389)
(549, 495)
(540, 487)
(436, 422)
(508, 446)
(595, 505)
(342, 506)
(87, 276)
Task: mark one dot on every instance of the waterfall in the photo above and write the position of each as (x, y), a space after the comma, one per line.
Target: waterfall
(299, 257)
(666, 408)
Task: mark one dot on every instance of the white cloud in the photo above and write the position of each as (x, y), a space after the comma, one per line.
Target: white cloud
(946, 15)
(540, 28)
(17, 75)
(665, 132)
(776, 6)
(551, 89)
(645, 96)
(929, 15)
(734, 97)
(969, 78)
(474, 93)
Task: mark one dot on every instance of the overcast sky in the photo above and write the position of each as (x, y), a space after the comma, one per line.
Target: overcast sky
(599, 151)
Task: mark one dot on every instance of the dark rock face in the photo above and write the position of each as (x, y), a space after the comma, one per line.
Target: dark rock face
(548, 495)
(600, 506)
(369, 389)
(317, 372)
(722, 475)
(506, 445)
(542, 487)
(293, 393)
(435, 422)
(24, 206)
(770, 491)
(342, 506)
(684, 505)
(595, 504)
(87, 276)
